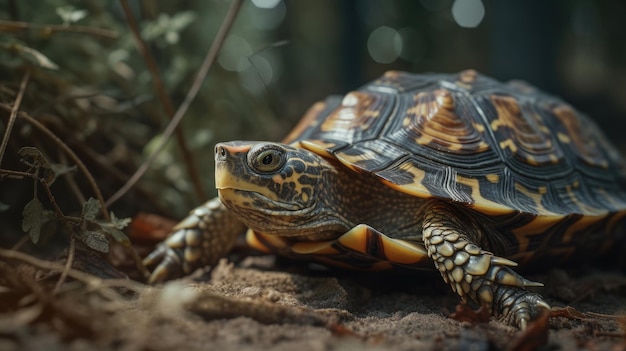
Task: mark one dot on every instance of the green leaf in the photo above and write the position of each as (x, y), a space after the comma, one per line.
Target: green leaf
(59, 169)
(168, 27)
(119, 223)
(117, 235)
(32, 157)
(113, 228)
(70, 15)
(95, 240)
(32, 219)
(90, 209)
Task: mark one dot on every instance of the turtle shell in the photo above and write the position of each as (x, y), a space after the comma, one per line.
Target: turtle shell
(495, 147)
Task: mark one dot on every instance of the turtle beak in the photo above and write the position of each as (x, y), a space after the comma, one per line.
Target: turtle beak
(229, 158)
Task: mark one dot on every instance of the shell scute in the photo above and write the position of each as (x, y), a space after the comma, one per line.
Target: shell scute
(496, 147)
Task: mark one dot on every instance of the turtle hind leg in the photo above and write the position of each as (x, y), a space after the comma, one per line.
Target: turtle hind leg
(474, 273)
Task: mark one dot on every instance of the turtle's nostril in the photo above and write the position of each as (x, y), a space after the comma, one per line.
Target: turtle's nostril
(220, 153)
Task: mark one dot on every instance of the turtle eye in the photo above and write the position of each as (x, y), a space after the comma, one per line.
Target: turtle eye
(267, 160)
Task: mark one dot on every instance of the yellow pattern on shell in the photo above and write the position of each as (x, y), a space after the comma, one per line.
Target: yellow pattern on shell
(314, 247)
(480, 203)
(536, 198)
(493, 178)
(395, 251)
(589, 211)
(415, 188)
(253, 241)
(318, 147)
(535, 227)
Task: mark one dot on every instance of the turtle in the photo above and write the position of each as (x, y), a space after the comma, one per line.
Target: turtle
(455, 172)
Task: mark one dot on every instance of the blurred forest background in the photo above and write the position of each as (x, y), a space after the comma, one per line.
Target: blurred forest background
(91, 87)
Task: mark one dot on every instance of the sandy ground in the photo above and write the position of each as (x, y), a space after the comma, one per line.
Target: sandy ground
(259, 304)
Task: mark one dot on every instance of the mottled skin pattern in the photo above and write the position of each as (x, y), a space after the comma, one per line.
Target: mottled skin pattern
(285, 203)
(459, 170)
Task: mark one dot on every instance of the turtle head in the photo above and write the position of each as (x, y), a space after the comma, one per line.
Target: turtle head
(273, 188)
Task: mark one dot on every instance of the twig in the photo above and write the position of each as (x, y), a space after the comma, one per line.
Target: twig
(20, 243)
(54, 204)
(65, 219)
(68, 227)
(165, 99)
(213, 306)
(34, 176)
(13, 116)
(102, 163)
(70, 153)
(71, 183)
(92, 281)
(15, 174)
(68, 265)
(220, 37)
(47, 29)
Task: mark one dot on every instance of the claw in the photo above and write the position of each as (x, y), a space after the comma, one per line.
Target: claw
(169, 264)
(159, 275)
(523, 324)
(206, 235)
(154, 257)
(167, 257)
(516, 306)
(526, 283)
(503, 261)
(543, 304)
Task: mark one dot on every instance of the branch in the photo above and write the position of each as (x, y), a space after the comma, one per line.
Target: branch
(48, 29)
(220, 37)
(70, 153)
(165, 99)
(68, 264)
(13, 116)
(92, 281)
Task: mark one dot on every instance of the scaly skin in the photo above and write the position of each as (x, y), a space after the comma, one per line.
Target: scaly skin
(272, 202)
(199, 240)
(210, 231)
(474, 273)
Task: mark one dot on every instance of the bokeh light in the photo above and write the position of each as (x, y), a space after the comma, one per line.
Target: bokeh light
(234, 54)
(266, 4)
(269, 18)
(384, 44)
(468, 13)
(259, 74)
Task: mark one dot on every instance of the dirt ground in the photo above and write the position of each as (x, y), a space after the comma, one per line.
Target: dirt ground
(261, 304)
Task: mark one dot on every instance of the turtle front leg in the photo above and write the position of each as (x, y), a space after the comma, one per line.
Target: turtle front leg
(452, 243)
(201, 239)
